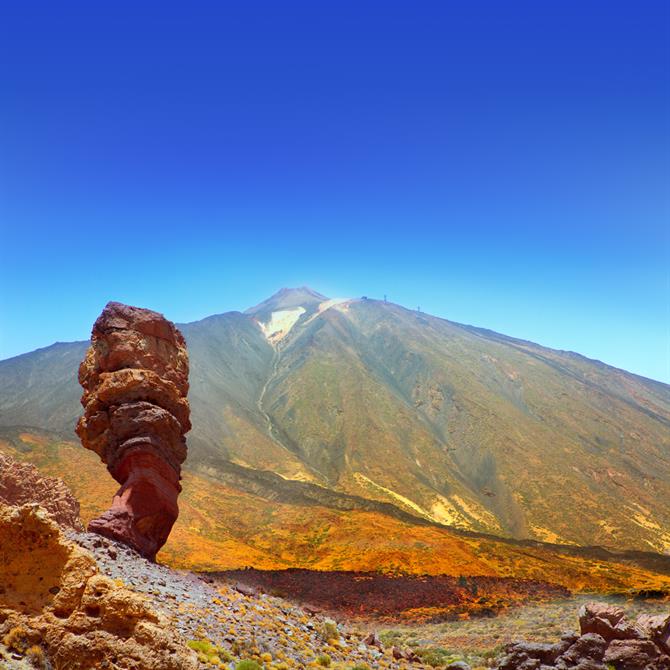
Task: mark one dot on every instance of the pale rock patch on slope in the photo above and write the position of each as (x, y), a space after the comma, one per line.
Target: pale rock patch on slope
(342, 304)
(641, 516)
(452, 511)
(466, 511)
(333, 302)
(280, 323)
(366, 482)
(546, 535)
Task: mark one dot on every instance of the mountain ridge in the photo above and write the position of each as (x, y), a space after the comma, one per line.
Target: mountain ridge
(250, 311)
(365, 398)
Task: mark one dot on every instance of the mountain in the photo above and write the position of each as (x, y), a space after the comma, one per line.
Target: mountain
(358, 405)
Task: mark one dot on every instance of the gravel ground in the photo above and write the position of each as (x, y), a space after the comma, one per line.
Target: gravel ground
(244, 623)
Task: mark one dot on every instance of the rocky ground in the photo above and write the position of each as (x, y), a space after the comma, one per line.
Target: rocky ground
(231, 622)
(482, 639)
(608, 640)
(239, 627)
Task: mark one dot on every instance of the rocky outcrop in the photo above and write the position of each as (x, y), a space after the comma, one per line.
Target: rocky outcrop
(22, 483)
(608, 640)
(54, 604)
(135, 381)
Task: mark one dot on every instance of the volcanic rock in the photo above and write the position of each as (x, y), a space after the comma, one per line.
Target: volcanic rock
(657, 628)
(608, 640)
(631, 654)
(608, 621)
(135, 381)
(22, 483)
(589, 646)
(53, 596)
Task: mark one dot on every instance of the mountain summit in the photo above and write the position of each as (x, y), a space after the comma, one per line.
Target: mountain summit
(287, 298)
(359, 404)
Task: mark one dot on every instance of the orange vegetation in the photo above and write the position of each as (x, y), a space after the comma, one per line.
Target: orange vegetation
(222, 528)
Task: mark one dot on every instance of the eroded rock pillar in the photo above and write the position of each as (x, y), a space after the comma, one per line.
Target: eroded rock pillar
(135, 381)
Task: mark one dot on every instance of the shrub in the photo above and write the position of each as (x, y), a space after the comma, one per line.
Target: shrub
(390, 637)
(323, 660)
(328, 631)
(248, 665)
(209, 653)
(36, 656)
(17, 639)
(433, 656)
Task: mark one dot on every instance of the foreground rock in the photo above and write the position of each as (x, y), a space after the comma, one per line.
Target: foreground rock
(55, 606)
(135, 380)
(22, 483)
(608, 640)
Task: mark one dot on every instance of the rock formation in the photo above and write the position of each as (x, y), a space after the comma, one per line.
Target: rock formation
(54, 602)
(608, 640)
(22, 483)
(135, 380)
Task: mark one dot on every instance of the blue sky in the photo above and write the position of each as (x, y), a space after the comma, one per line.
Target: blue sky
(500, 164)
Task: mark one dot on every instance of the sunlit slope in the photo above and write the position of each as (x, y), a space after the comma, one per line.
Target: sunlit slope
(448, 423)
(475, 429)
(221, 527)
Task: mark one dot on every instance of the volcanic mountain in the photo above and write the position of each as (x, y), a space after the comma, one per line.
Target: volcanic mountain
(358, 406)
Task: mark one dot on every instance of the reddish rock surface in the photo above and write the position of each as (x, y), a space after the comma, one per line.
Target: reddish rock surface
(135, 381)
(22, 483)
(407, 598)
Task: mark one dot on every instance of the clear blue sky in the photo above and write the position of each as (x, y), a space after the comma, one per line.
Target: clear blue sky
(504, 164)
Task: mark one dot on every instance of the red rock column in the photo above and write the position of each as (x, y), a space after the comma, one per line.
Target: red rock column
(135, 380)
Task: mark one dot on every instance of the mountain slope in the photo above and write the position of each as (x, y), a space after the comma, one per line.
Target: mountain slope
(360, 400)
(222, 527)
(41, 388)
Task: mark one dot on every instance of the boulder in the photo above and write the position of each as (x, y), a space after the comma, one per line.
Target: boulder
(657, 628)
(590, 646)
(22, 483)
(135, 381)
(545, 653)
(53, 596)
(631, 654)
(608, 621)
(620, 644)
(600, 619)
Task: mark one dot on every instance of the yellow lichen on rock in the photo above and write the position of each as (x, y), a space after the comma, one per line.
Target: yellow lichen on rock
(51, 591)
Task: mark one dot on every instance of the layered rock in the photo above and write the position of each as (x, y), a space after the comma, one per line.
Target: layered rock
(608, 640)
(135, 381)
(53, 598)
(22, 483)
